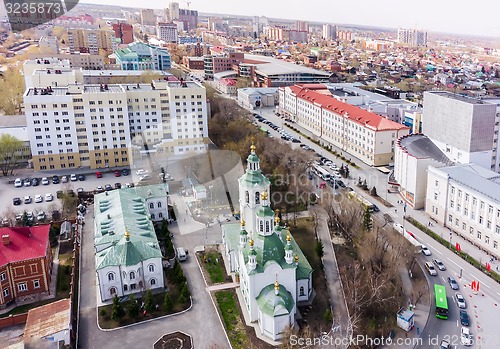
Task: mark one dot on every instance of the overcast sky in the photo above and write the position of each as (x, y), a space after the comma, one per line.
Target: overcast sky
(480, 17)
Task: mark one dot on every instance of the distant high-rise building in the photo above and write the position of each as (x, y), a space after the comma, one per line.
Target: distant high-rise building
(302, 26)
(173, 10)
(258, 24)
(93, 41)
(167, 32)
(412, 37)
(124, 32)
(282, 34)
(148, 17)
(189, 18)
(329, 32)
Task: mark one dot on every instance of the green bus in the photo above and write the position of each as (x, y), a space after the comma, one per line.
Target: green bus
(441, 302)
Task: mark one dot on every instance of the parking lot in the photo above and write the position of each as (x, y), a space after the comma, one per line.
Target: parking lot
(8, 191)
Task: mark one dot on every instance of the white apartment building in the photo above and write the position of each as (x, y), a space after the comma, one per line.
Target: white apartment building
(329, 32)
(367, 136)
(167, 32)
(412, 37)
(464, 128)
(101, 126)
(466, 199)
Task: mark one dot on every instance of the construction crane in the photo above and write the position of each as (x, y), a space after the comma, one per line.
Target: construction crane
(188, 3)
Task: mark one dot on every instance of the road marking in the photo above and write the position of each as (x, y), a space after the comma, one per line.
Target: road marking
(438, 252)
(454, 263)
(443, 279)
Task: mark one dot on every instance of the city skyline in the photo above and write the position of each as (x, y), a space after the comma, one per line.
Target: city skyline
(444, 16)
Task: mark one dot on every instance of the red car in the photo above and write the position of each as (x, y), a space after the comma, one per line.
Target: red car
(118, 173)
(98, 174)
(322, 185)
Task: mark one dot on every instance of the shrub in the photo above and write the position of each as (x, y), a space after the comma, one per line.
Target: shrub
(148, 301)
(168, 305)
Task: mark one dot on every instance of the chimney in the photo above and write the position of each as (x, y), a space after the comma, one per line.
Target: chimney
(5, 239)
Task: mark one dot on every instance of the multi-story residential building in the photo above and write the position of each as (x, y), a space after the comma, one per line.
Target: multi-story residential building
(329, 32)
(141, 56)
(128, 256)
(466, 199)
(344, 35)
(412, 37)
(85, 60)
(93, 41)
(173, 10)
(124, 32)
(361, 133)
(148, 17)
(85, 21)
(474, 135)
(25, 262)
(193, 63)
(283, 34)
(302, 26)
(97, 125)
(167, 32)
(189, 18)
(258, 25)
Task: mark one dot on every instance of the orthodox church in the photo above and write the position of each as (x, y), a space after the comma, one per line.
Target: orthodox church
(274, 274)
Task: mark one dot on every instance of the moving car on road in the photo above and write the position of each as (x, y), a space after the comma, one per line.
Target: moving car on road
(430, 268)
(466, 337)
(460, 300)
(453, 283)
(464, 318)
(426, 251)
(439, 264)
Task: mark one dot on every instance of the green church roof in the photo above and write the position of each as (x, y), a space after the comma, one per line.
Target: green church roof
(275, 304)
(265, 211)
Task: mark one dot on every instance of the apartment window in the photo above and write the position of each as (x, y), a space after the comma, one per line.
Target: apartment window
(2, 277)
(464, 226)
(480, 219)
(36, 284)
(5, 292)
(466, 211)
(456, 222)
(450, 218)
(488, 224)
(458, 207)
(495, 244)
(474, 201)
(466, 197)
(482, 205)
(479, 235)
(497, 229)
(471, 231)
(23, 286)
(452, 204)
(490, 209)
(486, 239)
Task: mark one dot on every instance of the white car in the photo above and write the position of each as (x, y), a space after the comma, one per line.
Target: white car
(27, 199)
(45, 181)
(38, 198)
(41, 216)
(466, 337)
(18, 183)
(141, 172)
(398, 227)
(460, 300)
(426, 251)
(48, 197)
(64, 179)
(73, 177)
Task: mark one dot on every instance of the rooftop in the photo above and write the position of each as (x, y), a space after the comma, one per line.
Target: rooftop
(47, 320)
(13, 121)
(421, 147)
(477, 178)
(458, 97)
(102, 88)
(272, 66)
(24, 243)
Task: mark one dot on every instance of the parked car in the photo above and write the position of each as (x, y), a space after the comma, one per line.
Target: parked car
(108, 187)
(141, 172)
(118, 173)
(445, 344)
(27, 199)
(118, 185)
(16, 201)
(41, 216)
(59, 194)
(453, 283)
(129, 185)
(464, 318)
(430, 268)
(460, 300)
(38, 198)
(466, 337)
(440, 265)
(81, 177)
(30, 216)
(125, 172)
(98, 174)
(27, 182)
(35, 182)
(48, 197)
(79, 190)
(99, 189)
(18, 183)
(145, 177)
(426, 251)
(73, 177)
(55, 179)
(45, 181)
(64, 179)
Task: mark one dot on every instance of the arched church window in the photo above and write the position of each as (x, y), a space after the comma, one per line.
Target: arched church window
(267, 226)
(301, 291)
(247, 197)
(261, 226)
(257, 198)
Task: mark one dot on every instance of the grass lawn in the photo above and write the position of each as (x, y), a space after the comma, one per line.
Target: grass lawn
(304, 236)
(214, 267)
(229, 310)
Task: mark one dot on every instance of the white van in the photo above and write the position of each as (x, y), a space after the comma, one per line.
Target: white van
(430, 268)
(181, 254)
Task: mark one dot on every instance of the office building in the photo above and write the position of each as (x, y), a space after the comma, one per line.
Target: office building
(148, 17)
(93, 41)
(167, 32)
(369, 137)
(329, 32)
(466, 199)
(102, 126)
(141, 56)
(465, 129)
(412, 37)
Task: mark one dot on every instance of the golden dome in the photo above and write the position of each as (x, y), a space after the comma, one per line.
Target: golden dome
(253, 147)
(250, 242)
(127, 234)
(264, 195)
(296, 258)
(277, 219)
(276, 286)
(242, 222)
(288, 237)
